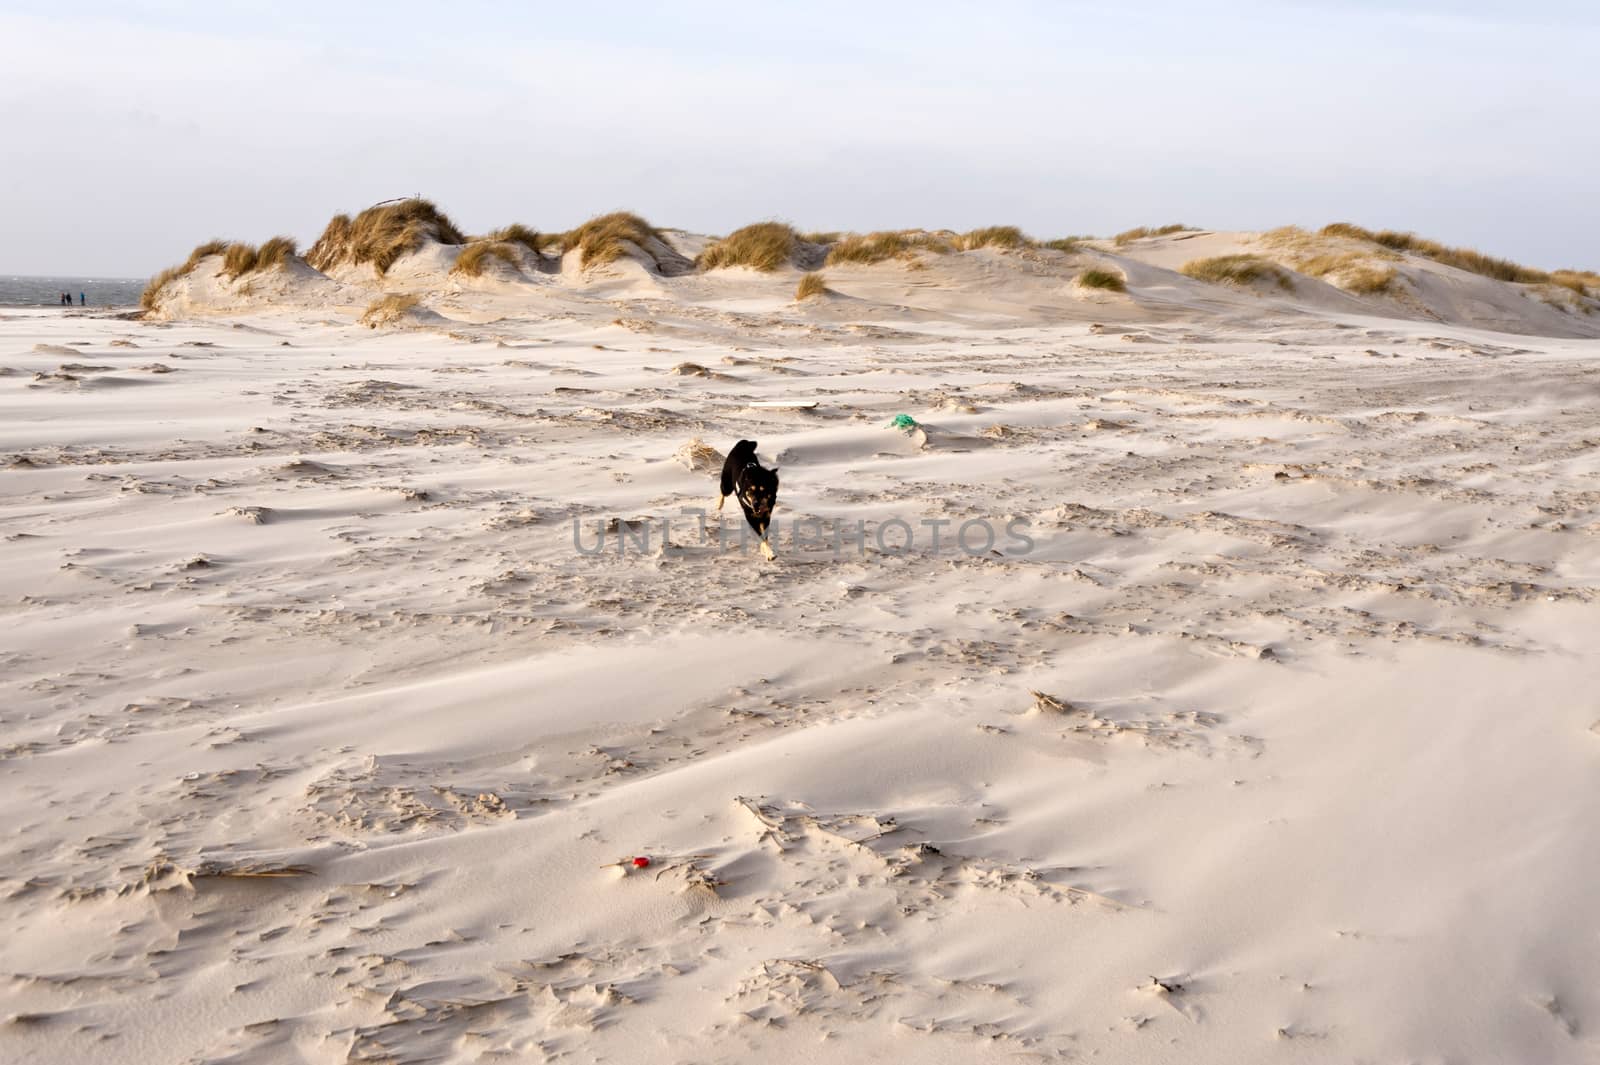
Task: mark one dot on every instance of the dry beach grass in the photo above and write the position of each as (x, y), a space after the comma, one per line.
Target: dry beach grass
(1236, 270)
(812, 284)
(764, 246)
(382, 234)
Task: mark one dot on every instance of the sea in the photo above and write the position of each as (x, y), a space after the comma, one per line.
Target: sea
(102, 292)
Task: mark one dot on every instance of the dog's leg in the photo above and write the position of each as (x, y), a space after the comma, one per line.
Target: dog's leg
(766, 550)
(720, 498)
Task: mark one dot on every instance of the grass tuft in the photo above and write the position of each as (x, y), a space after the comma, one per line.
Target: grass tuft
(1361, 271)
(475, 257)
(1127, 236)
(1582, 282)
(276, 252)
(879, 247)
(389, 309)
(1109, 280)
(1005, 237)
(1367, 279)
(1461, 258)
(516, 233)
(867, 249)
(1295, 240)
(1348, 230)
(238, 260)
(202, 251)
(1236, 270)
(812, 284)
(1065, 244)
(765, 246)
(152, 289)
(381, 235)
(245, 256)
(1352, 271)
(603, 239)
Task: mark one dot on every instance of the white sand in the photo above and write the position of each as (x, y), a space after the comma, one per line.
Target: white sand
(1315, 582)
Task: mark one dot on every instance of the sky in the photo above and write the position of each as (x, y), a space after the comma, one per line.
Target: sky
(136, 129)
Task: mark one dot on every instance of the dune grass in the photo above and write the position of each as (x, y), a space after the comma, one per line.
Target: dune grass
(882, 245)
(275, 252)
(1367, 279)
(869, 248)
(1299, 241)
(1236, 270)
(603, 239)
(1128, 236)
(1573, 290)
(1364, 272)
(821, 237)
(1461, 258)
(1344, 229)
(202, 251)
(812, 284)
(1350, 270)
(516, 233)
(1109, 280)
(1004, 237)
(475, 257)
(382, 234)
(764, 246)
(1582, 282)
(152, 290)
(1065, 244)
(238, 260)
(387, 310)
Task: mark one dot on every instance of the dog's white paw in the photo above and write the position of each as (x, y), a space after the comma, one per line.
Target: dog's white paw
(767, 552)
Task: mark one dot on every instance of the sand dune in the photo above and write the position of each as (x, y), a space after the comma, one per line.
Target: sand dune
(328, 735)
(931, 280)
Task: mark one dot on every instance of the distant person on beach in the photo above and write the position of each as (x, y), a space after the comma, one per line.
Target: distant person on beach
(83, 299)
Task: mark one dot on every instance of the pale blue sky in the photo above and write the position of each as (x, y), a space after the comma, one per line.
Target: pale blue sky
(133, 130)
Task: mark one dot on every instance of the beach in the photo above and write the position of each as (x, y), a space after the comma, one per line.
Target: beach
(1225, 691)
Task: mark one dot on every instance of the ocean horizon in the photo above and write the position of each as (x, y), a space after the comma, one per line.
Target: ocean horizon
(17, 290)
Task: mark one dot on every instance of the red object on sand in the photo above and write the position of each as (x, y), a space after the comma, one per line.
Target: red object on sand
(641, 863)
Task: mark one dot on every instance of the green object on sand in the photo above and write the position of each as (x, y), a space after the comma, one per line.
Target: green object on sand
(903, 421)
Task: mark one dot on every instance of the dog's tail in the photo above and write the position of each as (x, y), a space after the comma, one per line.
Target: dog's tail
(743, 451)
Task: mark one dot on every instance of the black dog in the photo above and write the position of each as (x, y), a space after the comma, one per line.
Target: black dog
(755, 486)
